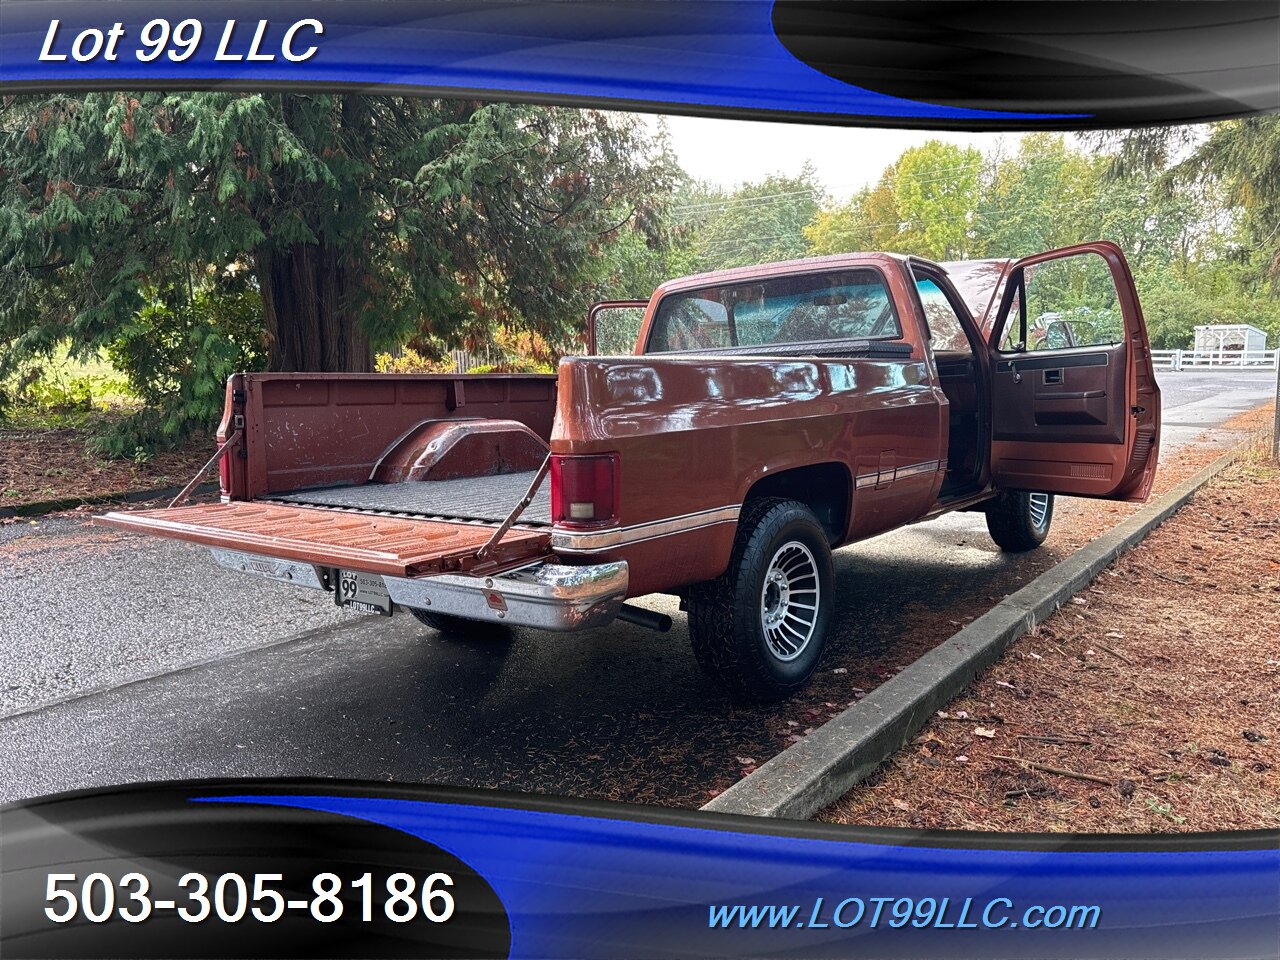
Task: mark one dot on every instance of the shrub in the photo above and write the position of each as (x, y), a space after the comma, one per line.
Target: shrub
(518, 365)
(178, 353)
(410, 361)
(59, 384)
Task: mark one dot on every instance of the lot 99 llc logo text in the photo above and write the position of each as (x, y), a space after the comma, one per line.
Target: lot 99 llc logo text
(181, 41)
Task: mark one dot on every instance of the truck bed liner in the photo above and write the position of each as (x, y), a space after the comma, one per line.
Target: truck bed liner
(472, 498)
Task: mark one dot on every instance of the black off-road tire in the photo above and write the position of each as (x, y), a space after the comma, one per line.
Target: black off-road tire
(1018, 520)
(727, 615)
(449, 625)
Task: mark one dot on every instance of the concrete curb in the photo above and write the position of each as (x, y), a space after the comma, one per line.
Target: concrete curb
(42, 507)
(818, 770)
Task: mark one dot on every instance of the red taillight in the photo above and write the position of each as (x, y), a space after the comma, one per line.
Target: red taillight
(584, 489)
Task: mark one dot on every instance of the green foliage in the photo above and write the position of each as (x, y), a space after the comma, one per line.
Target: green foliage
(1200, 232)
(935, 193)
(188, 235)
(632, 263)
(358, 222)
(59, 390)
(409, 360)
(1242, 157)
(867, 221)
(759, 222)
(1045, 196)
(61, 387)
(179, 350)
(62, 396)
(1225, 182)
(519, 365)
(924, 204)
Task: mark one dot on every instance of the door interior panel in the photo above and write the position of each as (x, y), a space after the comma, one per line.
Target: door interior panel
(1079, 412)
(1075, 469)
(1071, 396)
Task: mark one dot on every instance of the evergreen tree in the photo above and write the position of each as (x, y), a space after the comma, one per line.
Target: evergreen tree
(354, 219)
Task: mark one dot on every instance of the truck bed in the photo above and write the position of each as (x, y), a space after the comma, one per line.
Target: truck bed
(473, 498)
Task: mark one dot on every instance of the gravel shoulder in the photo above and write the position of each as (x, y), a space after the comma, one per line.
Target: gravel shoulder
(1148, 704)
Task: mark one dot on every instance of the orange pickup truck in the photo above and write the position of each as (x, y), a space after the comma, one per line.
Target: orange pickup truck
(766, 416)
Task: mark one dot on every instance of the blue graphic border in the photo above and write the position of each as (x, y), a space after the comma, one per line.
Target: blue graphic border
(665, 55)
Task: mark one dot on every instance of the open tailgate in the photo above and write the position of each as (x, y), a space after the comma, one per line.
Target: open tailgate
(396, 546)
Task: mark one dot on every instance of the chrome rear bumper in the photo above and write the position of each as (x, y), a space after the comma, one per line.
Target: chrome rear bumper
(548, 596)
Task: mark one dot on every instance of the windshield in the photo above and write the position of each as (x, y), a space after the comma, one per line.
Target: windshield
(802, 308)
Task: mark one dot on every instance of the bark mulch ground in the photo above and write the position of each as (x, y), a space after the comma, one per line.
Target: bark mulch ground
(53, 464)
(898, 631)
(1150, 703)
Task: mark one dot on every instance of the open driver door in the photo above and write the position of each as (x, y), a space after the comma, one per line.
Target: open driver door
(1075, 405)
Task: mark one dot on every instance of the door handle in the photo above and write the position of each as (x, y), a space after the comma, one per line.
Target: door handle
(1017, 377)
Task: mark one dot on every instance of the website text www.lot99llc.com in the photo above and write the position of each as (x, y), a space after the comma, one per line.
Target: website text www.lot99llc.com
(897, 912)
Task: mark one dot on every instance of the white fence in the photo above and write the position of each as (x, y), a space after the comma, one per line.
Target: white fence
(464, 360)
(1209, 359)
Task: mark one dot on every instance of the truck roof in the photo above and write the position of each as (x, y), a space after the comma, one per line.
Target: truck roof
(975, 280)
(751, 272)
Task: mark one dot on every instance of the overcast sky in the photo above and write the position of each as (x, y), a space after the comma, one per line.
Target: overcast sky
(729, 152)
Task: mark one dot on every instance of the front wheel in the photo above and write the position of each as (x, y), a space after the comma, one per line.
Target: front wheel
(760, 627)
(1018, 520)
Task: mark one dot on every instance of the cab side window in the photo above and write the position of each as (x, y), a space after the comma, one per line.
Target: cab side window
(617, 329)
(945, 330)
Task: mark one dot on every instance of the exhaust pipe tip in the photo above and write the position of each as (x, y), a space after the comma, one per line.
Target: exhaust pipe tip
(644, 618)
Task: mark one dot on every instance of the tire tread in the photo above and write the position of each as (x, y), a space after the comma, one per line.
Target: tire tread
(1009, 522)
(718, 608)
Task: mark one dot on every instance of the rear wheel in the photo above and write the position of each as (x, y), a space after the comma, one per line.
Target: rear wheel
(1018, 520)
(759, 629)
(450, 625)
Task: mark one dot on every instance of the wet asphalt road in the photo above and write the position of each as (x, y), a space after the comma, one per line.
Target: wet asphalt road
(124, 658)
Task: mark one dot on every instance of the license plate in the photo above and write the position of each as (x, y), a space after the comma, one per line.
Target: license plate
(362, 591)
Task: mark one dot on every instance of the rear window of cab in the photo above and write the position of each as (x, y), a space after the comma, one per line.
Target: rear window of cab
(798, 308)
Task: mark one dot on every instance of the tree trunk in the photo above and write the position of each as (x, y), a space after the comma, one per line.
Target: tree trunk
(306, 297)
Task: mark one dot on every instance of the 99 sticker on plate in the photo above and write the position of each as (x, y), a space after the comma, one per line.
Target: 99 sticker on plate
(362, 591)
